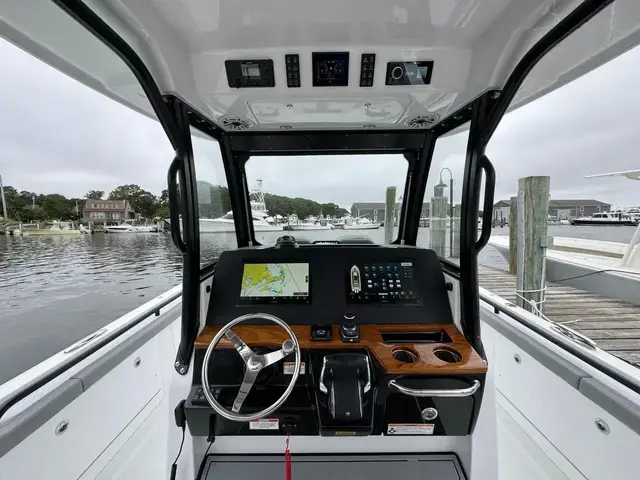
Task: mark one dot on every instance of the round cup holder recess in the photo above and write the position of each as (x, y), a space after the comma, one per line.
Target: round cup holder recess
(448, 355)
(404, 355)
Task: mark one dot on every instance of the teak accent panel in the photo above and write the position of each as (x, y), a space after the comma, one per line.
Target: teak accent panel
(371, 339)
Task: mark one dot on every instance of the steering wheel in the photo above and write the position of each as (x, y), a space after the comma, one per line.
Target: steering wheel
(254, 364)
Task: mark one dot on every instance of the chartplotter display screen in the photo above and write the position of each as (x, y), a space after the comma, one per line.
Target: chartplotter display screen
(275, 283)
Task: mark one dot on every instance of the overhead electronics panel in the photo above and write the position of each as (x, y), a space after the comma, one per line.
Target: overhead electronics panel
(250, 73)
(330, 69)
(409, 73)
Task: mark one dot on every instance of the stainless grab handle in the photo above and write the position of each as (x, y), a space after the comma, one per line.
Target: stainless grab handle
(460, 392)
(84, 341)
(573, 335)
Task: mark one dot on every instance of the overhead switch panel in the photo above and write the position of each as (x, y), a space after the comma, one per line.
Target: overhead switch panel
(367, 69)
(292, 63)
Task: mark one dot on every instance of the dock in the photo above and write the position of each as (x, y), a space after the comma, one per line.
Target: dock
(613, 324)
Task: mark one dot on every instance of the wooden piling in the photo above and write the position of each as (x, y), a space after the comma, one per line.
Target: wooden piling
(389, 211)
(455, 253)
(438, 226)
(513, 237)
(534, 191)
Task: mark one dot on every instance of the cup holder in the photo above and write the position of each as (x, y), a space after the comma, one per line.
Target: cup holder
(448, 355)
(405, 356)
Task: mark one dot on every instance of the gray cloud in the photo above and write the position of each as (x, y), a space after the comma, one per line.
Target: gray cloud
(59, 136)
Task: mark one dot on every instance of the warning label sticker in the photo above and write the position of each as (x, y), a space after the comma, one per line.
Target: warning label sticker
(289, 367)
(264, 424)
(410, 429)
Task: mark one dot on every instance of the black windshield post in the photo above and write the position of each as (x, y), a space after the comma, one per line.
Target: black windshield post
(246, 199)
(234, 170)
(469, 288)
(191, 238)
(416, 185)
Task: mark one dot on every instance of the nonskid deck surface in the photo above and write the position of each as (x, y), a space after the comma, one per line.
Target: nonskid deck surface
(613, 324)
(335, 467)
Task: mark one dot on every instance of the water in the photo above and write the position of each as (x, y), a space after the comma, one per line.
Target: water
(56, 290)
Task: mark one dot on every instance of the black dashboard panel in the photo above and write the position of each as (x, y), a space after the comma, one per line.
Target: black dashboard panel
(330, 267)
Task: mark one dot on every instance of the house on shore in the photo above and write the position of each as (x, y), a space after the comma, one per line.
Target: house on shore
(110, 211)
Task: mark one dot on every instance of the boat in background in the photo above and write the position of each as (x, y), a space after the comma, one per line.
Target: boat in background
(595, 266)
(307, 226)
(309, 223)
(57, 228)
(262, 221)
(361, 223)
(605, 218)
(225, 224)
(126, 227)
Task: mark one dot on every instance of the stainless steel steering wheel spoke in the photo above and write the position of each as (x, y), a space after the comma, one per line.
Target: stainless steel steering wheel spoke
(274, 357)
(245, 352)
(247, 382)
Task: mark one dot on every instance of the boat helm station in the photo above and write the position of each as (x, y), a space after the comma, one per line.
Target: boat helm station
(341, 359)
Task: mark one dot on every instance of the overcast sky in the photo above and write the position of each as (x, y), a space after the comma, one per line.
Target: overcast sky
(57, 136)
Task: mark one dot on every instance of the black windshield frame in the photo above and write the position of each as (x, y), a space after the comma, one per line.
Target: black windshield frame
(485, 113)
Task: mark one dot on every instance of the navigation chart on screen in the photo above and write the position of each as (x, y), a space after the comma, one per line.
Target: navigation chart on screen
(275, 280)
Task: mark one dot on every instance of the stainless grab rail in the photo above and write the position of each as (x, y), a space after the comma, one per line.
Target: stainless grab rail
(84, 341)
(573, 335)
(458, 392)
(45, 376)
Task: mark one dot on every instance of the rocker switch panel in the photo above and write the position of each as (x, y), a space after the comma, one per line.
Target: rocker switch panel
(367, 69)
(292, 64)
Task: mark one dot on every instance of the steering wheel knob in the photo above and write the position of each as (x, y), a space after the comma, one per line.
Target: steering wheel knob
(288, 346)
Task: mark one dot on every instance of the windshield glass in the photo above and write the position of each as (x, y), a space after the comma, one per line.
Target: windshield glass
(565, 167)
(217, 230)
(316, 198)
(84, 199)
(439, 227)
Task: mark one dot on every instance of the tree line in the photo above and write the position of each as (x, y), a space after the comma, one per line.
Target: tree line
(28, 206)
(213, 202)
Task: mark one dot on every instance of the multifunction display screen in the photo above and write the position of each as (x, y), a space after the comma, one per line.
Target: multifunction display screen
(275, 283)
(382, 282)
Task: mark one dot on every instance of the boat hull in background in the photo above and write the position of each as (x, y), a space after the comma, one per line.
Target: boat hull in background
(603, 222)
(227, 226)
(45, 231)
(129, 230)
(303, 227)
(576, 263)
(363, 226)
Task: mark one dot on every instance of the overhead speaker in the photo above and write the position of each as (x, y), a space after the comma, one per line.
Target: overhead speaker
(236, 124)
(422, 121)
